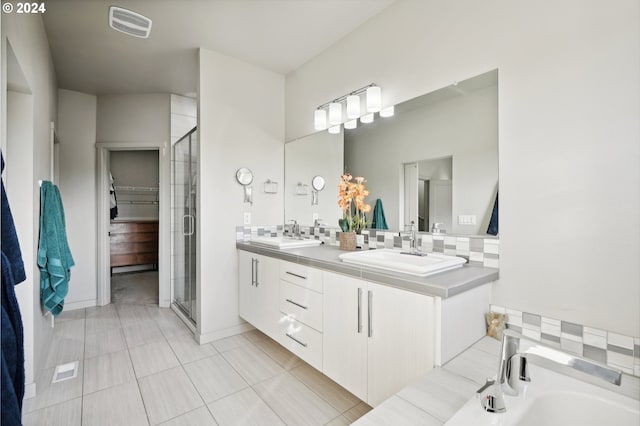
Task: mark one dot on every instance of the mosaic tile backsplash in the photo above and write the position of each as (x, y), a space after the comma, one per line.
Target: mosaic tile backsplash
(613, 349)
(479, 250)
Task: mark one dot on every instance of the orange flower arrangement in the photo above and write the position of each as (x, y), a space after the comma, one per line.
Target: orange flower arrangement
(351, 195)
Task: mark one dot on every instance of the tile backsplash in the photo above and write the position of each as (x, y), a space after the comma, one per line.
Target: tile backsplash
(479, 250)
(613, 349)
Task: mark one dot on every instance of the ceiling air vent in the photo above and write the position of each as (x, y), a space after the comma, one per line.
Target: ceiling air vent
(129, 22)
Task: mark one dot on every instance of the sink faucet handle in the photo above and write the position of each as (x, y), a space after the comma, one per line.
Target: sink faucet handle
(491, 397)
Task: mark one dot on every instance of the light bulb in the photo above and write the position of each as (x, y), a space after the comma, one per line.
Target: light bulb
(353, 106)
(335, 113)
(320, 119)
(374, 99)
(367, 118)
(352, 124)
(387, 112)
(334, 130)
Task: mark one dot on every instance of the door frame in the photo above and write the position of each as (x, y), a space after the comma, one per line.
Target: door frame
(103, 220)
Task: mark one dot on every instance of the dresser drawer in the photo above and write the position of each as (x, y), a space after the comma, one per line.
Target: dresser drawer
(302, 304)
(302, 340)
(301, 275)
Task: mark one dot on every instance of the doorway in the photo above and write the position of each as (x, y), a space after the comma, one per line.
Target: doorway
(133, 230)
(136, 203)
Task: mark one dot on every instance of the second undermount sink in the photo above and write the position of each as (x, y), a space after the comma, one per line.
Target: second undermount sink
(397, 261)
(285, 242)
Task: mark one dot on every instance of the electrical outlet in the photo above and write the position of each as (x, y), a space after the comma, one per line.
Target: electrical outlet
(247, 218)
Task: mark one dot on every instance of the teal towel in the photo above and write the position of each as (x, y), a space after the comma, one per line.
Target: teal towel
(379, 221)
(54, 256)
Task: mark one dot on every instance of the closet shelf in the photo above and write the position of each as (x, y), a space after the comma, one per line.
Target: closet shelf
(136, 189)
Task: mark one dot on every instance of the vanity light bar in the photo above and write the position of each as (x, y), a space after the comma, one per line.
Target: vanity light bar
(329, 115)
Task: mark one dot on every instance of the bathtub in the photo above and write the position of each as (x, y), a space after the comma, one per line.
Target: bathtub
(554, 399)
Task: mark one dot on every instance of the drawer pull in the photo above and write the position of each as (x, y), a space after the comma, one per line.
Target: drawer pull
(297, 304)
(296, 340)
(296, 275)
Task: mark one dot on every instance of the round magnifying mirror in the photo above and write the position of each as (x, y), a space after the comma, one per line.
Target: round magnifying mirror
(244, 176)
(317, 183)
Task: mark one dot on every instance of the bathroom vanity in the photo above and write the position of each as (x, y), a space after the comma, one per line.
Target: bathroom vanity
(371, 331)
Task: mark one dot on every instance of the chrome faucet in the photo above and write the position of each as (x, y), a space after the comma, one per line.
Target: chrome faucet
(517, 351)
(414, 248)
(295, 229)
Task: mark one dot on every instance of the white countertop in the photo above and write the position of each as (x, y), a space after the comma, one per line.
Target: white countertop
(444, 284)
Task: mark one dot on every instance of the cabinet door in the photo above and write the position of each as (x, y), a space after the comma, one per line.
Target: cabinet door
(246, 286)
(400, 345)
(345, 332)
(265, 295)
(258, 279)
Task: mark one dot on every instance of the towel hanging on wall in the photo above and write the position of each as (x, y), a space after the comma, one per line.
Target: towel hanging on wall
(379, 221)
(12, 344)
(54, 256)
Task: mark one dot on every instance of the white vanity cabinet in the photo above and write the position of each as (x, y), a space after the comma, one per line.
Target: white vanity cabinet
(258, 282)
(376, 338)
(300, 304)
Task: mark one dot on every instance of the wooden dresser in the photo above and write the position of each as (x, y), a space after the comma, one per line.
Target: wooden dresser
(134, 242)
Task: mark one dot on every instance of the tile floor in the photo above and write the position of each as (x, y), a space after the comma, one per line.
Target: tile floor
(139, 365)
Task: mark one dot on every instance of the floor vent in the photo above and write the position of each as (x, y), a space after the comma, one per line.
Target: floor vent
(65, 372)
(129, 22)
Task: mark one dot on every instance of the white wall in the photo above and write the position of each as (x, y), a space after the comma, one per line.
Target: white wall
(29, 43)
(568, 133)
(133, 118)
(77, 159)
(241, 124)
(462, 127)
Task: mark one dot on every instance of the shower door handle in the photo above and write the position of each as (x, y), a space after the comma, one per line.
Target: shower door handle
(191, 221)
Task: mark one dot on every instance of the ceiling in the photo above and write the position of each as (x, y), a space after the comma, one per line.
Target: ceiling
(279, 35)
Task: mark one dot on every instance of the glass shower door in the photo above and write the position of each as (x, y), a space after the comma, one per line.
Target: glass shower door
(184, 190)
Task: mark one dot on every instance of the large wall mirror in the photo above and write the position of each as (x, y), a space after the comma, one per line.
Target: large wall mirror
(434, 161)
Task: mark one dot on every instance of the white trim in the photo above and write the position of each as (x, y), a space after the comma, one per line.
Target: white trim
(80, 305)
(29, 390)
(221, 334)
(164, 216)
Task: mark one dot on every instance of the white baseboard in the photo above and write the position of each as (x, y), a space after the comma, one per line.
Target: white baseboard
(221, 334)
(29, 390)
(80, 305)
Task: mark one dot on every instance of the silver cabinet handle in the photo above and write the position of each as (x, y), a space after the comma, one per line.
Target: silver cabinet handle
(296, 275)
(296, 340)
(257, 273)
(297, 304)
(359, 310)
(253, 271)
(370, 313)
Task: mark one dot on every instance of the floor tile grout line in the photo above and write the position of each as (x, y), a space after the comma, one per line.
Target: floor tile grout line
(301, 381)
(144, 406)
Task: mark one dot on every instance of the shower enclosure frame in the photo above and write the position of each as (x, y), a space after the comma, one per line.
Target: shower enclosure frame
(184, 265)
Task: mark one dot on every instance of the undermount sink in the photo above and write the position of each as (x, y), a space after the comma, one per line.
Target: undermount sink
(553, 399)
(285, 242)
(398, 261)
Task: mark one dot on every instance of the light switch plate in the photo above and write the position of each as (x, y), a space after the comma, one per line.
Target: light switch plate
(247, 218)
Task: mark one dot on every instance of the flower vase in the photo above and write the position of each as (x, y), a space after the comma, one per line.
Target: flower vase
(347, 240)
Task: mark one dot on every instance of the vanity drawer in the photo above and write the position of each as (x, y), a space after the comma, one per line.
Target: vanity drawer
(302, 340)
(301, 275)
(302, 304)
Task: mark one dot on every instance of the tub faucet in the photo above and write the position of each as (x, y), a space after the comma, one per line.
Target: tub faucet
(516, 353)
